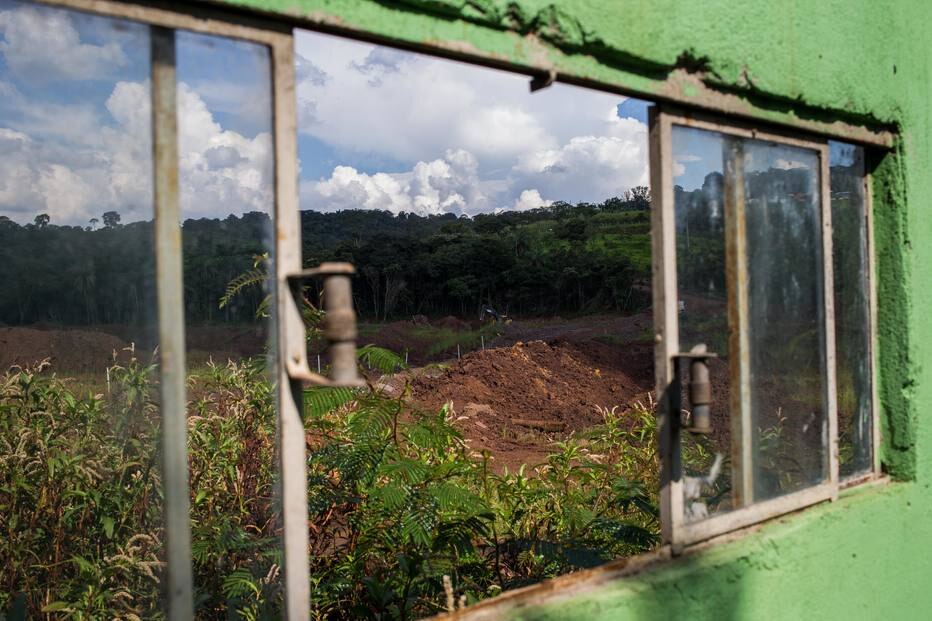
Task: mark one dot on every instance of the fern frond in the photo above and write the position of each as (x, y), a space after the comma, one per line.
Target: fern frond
(249, 278)
(393, 495)
(323, 399)
(453, 497)
(410, 471)
(372, 419)
(240, 583)
(418, 524)
(623, 532)
(381, 359)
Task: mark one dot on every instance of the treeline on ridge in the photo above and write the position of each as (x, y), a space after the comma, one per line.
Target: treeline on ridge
(563, 258)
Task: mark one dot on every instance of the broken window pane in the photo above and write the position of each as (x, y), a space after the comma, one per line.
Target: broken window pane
(852, 309)
(502, 243)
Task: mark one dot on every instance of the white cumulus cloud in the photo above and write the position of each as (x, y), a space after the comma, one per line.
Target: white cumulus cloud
(367, 100)
(44, 45)
(448, 184)
(347, 188)
(221, 171)
(589, 168)
(530, 199)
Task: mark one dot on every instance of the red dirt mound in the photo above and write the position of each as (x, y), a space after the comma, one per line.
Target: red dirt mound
(70, 351)
(451, 323)
(511, 396)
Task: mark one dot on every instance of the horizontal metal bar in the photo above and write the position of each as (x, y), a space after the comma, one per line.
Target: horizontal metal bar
(300, 371)
(732, 127)
(324, 269)
(686, 89)
(194, 17)
(691, 355)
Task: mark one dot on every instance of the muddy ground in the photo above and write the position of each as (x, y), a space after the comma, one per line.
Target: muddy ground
(91, 350)
(515, 401)
(535, 382)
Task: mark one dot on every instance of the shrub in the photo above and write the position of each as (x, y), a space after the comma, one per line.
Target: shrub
(398, 500)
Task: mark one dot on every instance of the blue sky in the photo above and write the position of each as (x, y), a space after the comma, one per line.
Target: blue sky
(378, 128)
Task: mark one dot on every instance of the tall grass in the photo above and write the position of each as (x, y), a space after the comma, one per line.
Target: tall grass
(398, 500)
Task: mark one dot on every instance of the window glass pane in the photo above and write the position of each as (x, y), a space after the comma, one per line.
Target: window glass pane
(777, 187)
(226, 181)
(786, 324)
(80, 482)
(698, 194)
(852, 309)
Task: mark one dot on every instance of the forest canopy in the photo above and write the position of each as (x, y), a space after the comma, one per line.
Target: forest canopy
(563, 258)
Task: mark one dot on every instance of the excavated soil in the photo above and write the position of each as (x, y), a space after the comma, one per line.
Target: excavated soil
(516, 401)
(74, 351)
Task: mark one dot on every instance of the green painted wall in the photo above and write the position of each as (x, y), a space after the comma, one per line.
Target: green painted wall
(869, 555)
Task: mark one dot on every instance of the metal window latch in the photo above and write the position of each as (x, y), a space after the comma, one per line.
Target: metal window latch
(699, 387)
(339, 326)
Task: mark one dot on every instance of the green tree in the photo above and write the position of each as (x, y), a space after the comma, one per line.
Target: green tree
(111, 219)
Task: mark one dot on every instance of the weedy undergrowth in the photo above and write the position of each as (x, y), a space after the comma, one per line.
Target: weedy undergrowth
(397, 499)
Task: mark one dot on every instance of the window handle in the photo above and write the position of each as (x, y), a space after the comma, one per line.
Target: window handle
(339, 326)
(699, 387)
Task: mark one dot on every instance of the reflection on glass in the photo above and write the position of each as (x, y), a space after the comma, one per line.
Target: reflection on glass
(226, 166)
(700, 264)
(852, 309)
(80, 482)
(777, 187)
(786, 322)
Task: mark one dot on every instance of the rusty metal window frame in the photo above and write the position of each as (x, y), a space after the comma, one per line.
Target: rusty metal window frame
(675, 530)
(164, 19)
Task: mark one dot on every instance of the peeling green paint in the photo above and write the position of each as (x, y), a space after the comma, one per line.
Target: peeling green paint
(869, 555)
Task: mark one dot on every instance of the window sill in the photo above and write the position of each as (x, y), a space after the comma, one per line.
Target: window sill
(588, 579)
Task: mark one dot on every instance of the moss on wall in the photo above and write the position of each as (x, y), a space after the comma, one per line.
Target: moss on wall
(869, 555)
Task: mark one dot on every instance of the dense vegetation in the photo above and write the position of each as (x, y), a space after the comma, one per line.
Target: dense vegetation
(405, 518)
(562, 258)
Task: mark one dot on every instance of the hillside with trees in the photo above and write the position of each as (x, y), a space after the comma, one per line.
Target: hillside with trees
(559, 259)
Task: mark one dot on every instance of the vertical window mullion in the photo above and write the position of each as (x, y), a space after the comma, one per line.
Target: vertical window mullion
(828, 297)
(736, 278)
(663, 256)
(872, 324)
(170, 290)
(290, 337)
